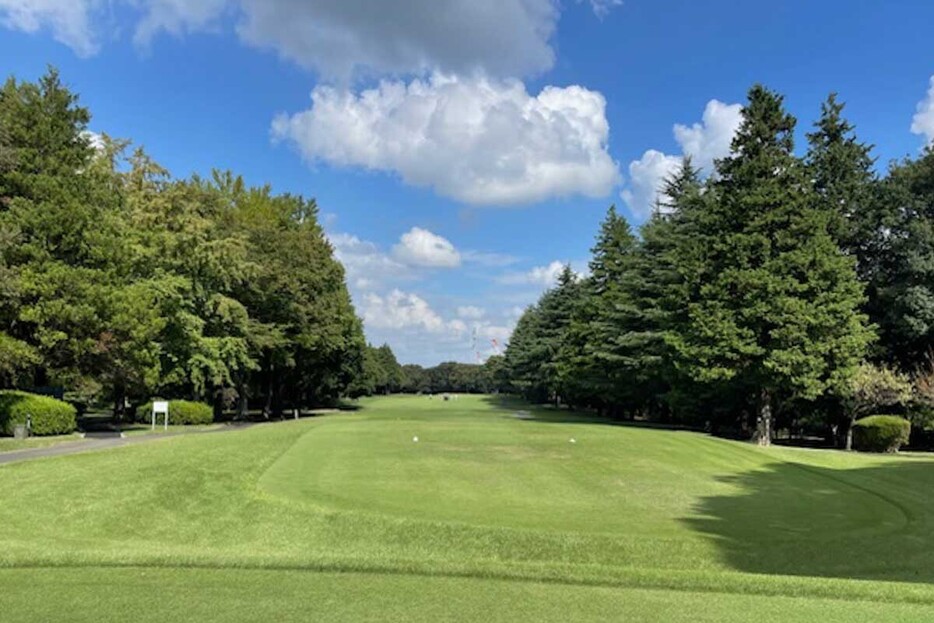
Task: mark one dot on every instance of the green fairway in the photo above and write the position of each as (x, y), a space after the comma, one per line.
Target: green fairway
(489, 515)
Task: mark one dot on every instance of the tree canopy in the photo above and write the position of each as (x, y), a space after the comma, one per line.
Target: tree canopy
(120, 282)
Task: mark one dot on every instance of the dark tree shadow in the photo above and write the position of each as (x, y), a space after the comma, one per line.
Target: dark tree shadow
(519, 408)
(792, 519)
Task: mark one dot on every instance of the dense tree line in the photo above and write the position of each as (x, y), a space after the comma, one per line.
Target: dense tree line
(119, 282)
(382, 374)
(779, 291)
(451, 377)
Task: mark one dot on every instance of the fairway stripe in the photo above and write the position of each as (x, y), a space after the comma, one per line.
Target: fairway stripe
(726, 583)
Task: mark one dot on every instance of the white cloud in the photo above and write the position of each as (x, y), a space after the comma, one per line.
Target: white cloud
(710, 139)
(398, 310)
(420, 247)
(406, 310)
(338, 39)
(923, 121)
(470, 312)
(490, 332)
(646, 176)
(476, 140)
(95, 141)
(546, 276)
(177, 17)
(68, 20)
(365, 264)
(602, 8)
(499, 37)
(704, 142)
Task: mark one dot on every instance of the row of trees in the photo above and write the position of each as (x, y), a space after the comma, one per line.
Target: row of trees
(753, 297)
(382, 374)
(118, 282)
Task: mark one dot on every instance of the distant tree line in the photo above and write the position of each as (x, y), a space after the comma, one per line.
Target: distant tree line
(382, 374)
(780, 291)
(119, 282)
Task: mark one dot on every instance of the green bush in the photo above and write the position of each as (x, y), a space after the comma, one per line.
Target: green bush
(181, 412)
(881, 433)
(49, 416)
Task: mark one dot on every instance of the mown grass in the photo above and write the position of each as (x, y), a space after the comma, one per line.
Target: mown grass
(345, 517)
(133, 430)
(8, 444)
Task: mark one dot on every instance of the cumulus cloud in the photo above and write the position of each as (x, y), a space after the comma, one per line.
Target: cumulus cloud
(68, 20)
(923, 121)
(499, 37)
(546, 276)
(710, 139)
(477, 140)
(177, 17)
(471, 130)
(418, 333)
(704, 142)
(398, 310)
(420, 247)
(646, 176)
(337, 39)
(491, 332)
(365, 264)
(470, 312)
(405, 310)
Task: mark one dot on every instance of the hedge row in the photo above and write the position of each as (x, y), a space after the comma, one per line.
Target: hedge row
(49, 416)
(180, 412)
(881, 433)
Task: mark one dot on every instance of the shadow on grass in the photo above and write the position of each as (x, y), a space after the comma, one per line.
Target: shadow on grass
(562, 415)
(869, 523)
(792, 519)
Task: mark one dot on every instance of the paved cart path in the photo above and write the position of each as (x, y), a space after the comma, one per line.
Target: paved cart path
(102, 441)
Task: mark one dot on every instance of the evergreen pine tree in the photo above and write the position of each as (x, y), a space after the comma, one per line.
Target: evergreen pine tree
(594, 360)
(844, 183)
(778, 310)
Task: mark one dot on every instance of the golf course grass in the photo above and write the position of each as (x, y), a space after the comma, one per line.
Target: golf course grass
(498, 512)
(8, 444)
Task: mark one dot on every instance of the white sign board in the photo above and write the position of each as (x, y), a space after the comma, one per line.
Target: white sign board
(160, 407)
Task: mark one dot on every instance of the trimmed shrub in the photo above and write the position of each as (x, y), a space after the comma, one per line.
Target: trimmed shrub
(881, 433)
(49, 416)
(181, 412)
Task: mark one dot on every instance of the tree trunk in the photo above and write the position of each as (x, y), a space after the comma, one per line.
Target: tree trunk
(849, 433)
(764, 420)
(242, 401)
(218, 404)
(119, 402)
(276, 392)
(267, 409)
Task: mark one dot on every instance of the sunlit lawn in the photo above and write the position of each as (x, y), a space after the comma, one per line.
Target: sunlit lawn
(8, 444)
(486, 516)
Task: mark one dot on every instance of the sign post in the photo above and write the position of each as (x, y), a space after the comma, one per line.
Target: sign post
(160, 407)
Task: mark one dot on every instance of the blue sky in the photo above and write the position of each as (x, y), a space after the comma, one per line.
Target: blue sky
(461, 151)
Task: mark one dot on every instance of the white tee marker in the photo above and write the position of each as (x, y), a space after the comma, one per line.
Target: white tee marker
(415, 439)
(573, 440)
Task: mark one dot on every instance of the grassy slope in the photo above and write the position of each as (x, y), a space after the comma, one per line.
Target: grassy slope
(624, 520)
